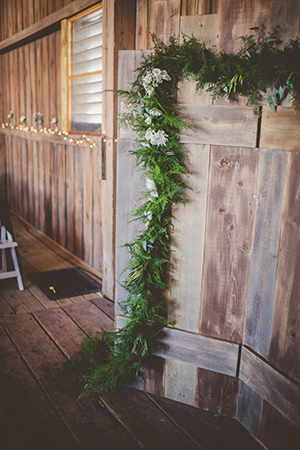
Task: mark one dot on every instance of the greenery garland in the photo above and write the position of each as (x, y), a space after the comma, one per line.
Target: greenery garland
(260, 69)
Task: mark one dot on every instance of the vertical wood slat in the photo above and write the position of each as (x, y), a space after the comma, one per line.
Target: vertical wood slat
(42, 177)
(97, 210)
(228, 241)
(54, 195)
(78, 179)
(164, 19)
(48, 187)
(70, 198)
(61, 194)
(45, 81)
(87, 206)
(187, 243)
(264, 260)
(284, 351)
(142, 34)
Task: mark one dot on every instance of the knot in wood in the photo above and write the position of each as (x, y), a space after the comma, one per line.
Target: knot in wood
(222, 210)
(293, 333)
(224, 162)
(246, 247)
(240, 184)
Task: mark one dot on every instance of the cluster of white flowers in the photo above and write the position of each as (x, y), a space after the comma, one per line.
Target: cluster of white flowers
(150, 185)
(154, 112)
(156, 137)
(152, 79)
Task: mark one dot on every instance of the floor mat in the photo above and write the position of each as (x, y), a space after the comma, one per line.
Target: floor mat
(63, 283)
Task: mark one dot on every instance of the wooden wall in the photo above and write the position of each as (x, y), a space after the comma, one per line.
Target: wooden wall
(75, 204)
(17, 15)
(234, 290)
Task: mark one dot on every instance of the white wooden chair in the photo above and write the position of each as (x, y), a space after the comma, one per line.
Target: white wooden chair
(7, 242)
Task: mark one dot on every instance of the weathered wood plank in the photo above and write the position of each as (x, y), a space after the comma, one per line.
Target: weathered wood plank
(180, 381)
(47, 176)
(42, 24)
(264, 260)
(202, 27)
(42, 179)
(273, 387)
(2, 167)
(88, 316)
(107, 306)
(54, 195)
(128, 198)
(57, 324)
(216, 392)
(97, 211)
(46, 81)
(141, 29)
(87, 175)
(32, 422)
(61, 194)
(70, 199)
(228, 241)
(85, 421)
(78, 178)
(141, 417)
(283, 435)
(249, 408)
(219, 125)
(236, 19)
(211, 431)
(284, 350)
(164, 19)
(280, 130)
(198, 351)
(187, 243)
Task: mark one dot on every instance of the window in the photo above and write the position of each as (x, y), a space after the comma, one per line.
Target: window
(84, 72)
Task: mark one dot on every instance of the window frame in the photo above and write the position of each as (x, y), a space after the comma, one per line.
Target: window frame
(66, 77)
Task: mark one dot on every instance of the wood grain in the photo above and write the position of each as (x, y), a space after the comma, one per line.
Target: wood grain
(141, 29)
(284, 350)
(187, 243)
(198, 351)
(271, 385)
(228, 241)
(42, 24)
(264, 260)
(202, 27)
(216, 392)
(249, 408)
(284, 434)
(164, 19)
(84, 420)
(280, 130)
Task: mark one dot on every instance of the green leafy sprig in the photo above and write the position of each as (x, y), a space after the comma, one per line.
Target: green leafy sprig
(261, 69)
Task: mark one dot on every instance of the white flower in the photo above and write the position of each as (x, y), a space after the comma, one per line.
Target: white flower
(22, 118)
(148, 215)
(157, 75)
(54, 121)
(165, 75)
(148, 120)
(154, 112)
(149, 134)
(10, 115)
(143, 144)
(159, 138)
(148, 89)
(151, 187)
(147, 78)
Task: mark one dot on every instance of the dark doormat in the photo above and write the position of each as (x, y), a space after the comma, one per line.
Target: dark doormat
(63, 283)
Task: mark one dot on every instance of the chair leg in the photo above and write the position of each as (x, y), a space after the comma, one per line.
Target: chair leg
(17, 269)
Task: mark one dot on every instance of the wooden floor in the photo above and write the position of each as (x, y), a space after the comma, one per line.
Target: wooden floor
(39, 409)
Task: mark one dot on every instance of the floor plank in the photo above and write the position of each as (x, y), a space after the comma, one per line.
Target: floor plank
(88, 316)
(90, 425)
(32, 421)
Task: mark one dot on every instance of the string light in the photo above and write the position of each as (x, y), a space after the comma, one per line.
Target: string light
(60, 133)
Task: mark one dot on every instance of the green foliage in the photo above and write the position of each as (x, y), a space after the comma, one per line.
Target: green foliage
(261, 69)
